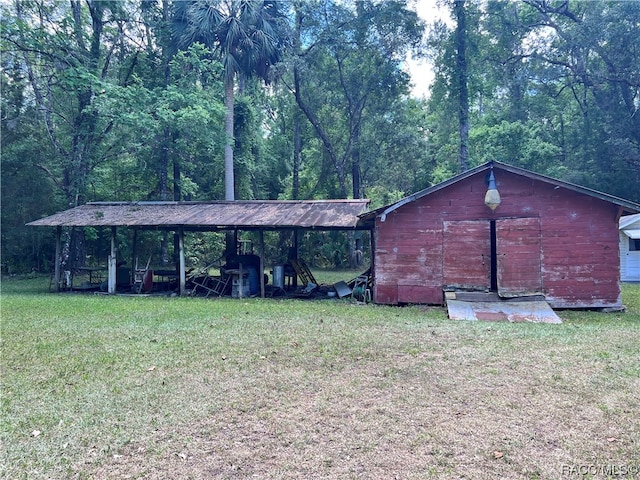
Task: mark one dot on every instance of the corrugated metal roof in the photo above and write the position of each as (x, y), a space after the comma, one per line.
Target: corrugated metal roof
(266, 214)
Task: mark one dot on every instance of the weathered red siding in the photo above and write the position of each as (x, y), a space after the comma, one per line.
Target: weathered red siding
(519, 269)
(467, 254)
(574, 260)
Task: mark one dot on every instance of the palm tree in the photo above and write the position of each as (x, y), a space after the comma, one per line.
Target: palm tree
(248, 36)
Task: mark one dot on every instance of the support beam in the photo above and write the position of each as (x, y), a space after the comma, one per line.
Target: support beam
(295, 254)
(134, 255)
(58, 260)
(183, 277)
(261, 271)
(112, 265)
(372, 266)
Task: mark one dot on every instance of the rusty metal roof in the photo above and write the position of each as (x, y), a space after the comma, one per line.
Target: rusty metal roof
(255, 214)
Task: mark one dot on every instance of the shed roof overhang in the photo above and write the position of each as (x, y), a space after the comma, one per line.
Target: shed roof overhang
(213, 216)
(626, 206)
(630, 222)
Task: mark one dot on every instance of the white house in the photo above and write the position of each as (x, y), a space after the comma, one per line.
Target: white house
(630, 248)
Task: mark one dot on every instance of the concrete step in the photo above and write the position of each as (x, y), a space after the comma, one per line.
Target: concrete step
(515, 312)
(466, 296)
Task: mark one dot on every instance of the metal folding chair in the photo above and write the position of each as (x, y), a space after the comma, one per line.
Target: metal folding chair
(210, 284)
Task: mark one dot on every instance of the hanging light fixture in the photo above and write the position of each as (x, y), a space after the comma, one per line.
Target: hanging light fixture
(492, 197)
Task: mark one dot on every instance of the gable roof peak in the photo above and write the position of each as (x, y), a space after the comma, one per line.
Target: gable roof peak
(382, 212)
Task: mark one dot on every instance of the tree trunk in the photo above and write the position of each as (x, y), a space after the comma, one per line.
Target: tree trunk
(355, 245)
(229, 182)
(330, 151)
(309, 114)
(297, 148)
(355, 161)
(462, 76)
(229, 189)
(165, 192)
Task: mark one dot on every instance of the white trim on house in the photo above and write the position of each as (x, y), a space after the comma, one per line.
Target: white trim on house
(629, 248)
(635, 234)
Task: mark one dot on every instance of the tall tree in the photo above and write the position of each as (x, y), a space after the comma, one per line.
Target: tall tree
(553, 86)
(348, 62)
(68, 52)
(248, 36)
(594, 53)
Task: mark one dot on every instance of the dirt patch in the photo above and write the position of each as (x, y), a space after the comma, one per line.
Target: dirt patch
(427, 415)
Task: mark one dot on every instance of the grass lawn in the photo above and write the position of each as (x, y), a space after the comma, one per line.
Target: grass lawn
(174, 388)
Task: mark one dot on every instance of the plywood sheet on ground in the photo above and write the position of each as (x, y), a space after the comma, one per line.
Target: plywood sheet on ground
(536, 311)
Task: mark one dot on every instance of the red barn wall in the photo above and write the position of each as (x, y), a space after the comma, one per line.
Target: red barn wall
(579, 257)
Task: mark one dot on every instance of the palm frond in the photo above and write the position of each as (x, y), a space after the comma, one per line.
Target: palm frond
(247, 34)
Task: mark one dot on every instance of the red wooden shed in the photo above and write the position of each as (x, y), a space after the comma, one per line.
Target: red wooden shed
(546, 237)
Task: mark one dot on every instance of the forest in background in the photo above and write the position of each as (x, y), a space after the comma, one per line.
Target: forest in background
(301, 99)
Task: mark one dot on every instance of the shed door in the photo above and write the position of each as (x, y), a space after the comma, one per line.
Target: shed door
(518, 262)
(467, 254)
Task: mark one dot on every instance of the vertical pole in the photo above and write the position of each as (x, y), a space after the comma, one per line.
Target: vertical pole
(372, 246)
(183, 279)
(58, 259)
(261, 271)
(111, 282)
(295, 255)
(134, 256)
(372, 239)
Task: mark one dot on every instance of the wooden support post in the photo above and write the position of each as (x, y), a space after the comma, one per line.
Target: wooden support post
(183, 278)
(134, 256)
(295, 255)
(58, 260)
(261, 271)
(372, 266)
(112, 266)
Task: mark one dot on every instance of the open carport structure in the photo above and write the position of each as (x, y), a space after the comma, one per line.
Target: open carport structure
(181, 217)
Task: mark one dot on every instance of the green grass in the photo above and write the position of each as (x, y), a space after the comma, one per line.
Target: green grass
(95, 386)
